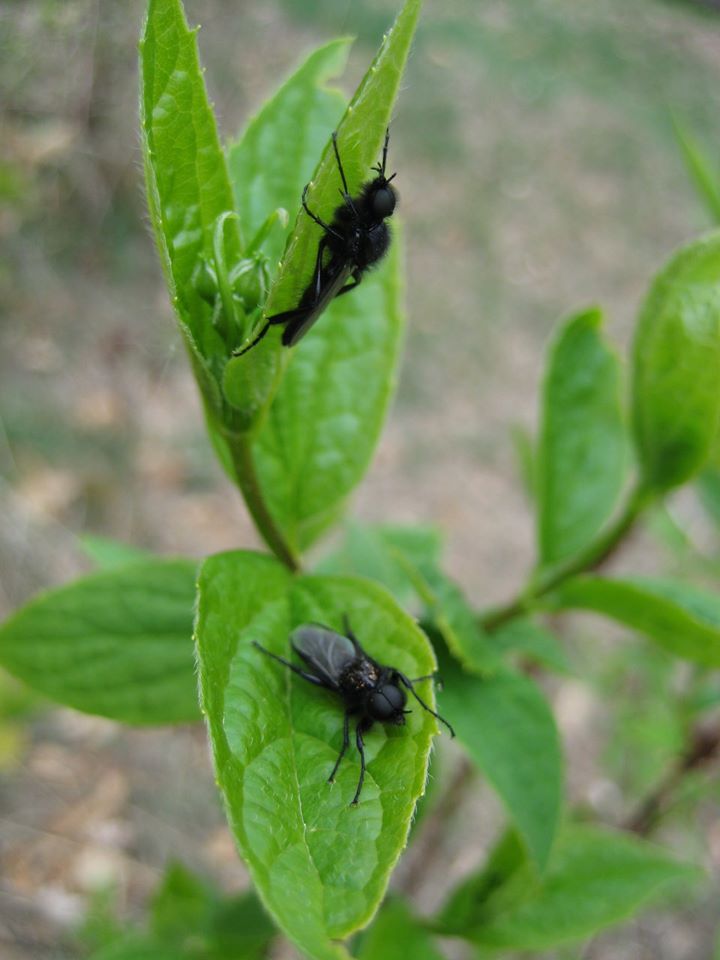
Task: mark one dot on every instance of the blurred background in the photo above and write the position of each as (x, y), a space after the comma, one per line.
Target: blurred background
(538, 173)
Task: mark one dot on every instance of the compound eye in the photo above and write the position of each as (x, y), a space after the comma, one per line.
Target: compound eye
(383, 202)
(386, 702)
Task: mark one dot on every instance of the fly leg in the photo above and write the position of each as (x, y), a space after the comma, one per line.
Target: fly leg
(296, 312)
(380, 167)
(345, 745)
(253, 343)
(361, 751)
(315, 284)
(310, 677)
(435, 677)
(356, 278)
(351, 636)
(344, 193)
(313, 216)
(408, 684)
(317, 274)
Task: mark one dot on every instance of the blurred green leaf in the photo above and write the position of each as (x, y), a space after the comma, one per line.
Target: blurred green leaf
(136, 946)
(466, 903)
(532, 642)
(381, 552)
(706, 696)
(596, 879)
(108, 554)
(275, 739)
(705, 180)
(582, 452)
(99, 927)
(682, 619)
(240, 929)
(396, 935)
(507, 727)
(180, 906)
(676, 367)
(648, 726)
(188, 920)
(709, 485)
(525, 459)
(117, 643)
(450, 612)
(406, 560)
(190, 915)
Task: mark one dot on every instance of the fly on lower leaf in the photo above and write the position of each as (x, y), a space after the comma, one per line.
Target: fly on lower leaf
(369, 690)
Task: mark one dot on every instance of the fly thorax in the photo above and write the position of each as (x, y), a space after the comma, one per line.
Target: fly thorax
(360, 675)
(374, 244)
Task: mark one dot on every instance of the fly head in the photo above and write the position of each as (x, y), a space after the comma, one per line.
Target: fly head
(386, 704)
(382, 199)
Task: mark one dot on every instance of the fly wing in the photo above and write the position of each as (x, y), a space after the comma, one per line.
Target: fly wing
(325, 652)
(299, 326)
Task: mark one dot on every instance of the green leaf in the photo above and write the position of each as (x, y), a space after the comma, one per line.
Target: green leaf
(135, 946)
(360, 136)
(506, 726)
(322, 427)
(269, 165)
(705, 180)
(240, 929)
(187, 182)
(533, 642)
(188, 185)
(107, 554)
(326, 417)
(116, 643)
(525, 459)
(581, 459)
(360, 334)
(407, 561)
(397, 935)
(466, 904)
(320, 866)
(188, 920)
(709, 485)
(682, 619)
(676, 367)
(456, 621)
(381, 552)
(596, 878)
(277, 152)
(180, 906)
(190, 915)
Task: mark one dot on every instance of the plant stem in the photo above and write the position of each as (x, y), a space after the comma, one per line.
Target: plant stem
(591, 557)
(241, 451)
(704, 747)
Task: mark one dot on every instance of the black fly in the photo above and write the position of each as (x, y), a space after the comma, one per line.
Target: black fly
(368, 689)
(356, 239)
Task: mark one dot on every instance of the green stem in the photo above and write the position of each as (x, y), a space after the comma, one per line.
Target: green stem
(241, 452)
(593, 555)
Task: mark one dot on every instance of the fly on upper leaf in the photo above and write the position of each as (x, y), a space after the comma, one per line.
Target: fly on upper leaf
(371, 691)
(356, 239)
